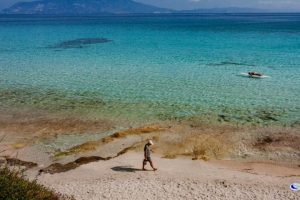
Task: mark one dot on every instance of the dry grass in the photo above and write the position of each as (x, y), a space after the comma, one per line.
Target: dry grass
(199, 146)
(276, 138)
(170, 156)
(268, 144)
(138, 131)
(208, 147)
(19, 145)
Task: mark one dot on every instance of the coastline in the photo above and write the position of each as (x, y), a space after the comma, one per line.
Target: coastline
(201, 158)
(80, 96)
(59, 132)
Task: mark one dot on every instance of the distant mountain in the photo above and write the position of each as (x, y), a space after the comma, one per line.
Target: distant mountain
(82, 7)
(224, 10)
(93, 7)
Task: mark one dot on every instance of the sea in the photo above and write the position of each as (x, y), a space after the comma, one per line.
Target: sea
(156, 67)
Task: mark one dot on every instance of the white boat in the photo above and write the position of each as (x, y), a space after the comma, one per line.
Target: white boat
(254, 76)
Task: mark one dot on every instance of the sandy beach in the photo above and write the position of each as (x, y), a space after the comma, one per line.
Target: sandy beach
(195, 160)
(122, 178)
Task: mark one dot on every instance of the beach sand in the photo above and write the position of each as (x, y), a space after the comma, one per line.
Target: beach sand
(181, 178)
(95, 160)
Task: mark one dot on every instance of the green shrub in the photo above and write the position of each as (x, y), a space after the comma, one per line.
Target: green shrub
(14, 186)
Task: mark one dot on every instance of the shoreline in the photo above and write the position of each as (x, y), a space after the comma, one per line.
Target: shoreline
(65, 140)
(243, 162)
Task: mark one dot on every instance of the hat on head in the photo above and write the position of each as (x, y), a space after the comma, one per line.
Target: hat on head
(150, 142)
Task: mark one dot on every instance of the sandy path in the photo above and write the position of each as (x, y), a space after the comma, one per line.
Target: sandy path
(182, 178)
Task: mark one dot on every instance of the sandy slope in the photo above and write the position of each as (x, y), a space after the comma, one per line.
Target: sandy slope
(182, 178)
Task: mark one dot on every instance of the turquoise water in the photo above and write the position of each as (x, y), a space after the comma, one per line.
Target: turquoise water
(155, 67)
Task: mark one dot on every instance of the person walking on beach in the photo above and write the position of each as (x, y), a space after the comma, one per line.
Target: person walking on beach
(147, 158)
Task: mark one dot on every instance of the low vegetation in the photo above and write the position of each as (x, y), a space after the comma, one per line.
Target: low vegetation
(14, 186)
(202, 146)
(208, 147)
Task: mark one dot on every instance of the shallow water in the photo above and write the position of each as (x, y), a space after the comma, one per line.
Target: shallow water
(156, 67)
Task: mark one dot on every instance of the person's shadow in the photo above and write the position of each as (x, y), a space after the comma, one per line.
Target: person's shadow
(125, 169)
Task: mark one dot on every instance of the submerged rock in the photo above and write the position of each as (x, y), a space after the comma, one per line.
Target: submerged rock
(79, 43)
(225, 63)
(296, 123)
(224, 118)
(58, 167)
(267, 115)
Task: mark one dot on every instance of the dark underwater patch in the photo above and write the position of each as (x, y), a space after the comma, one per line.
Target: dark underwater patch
(79, 43)
(224, 63)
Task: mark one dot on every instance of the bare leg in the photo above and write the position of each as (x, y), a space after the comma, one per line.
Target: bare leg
(144, 164)
(151, 164)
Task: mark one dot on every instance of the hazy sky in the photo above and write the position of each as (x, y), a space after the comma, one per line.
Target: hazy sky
(283, 5)
(262, 4)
